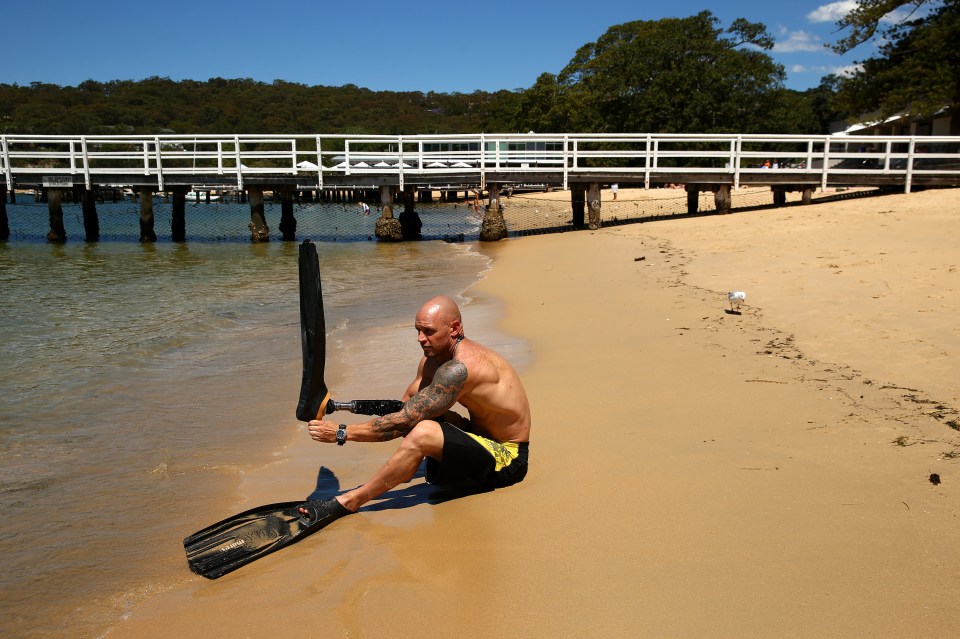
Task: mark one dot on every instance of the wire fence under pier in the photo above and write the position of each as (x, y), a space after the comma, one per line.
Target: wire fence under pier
(528, 213)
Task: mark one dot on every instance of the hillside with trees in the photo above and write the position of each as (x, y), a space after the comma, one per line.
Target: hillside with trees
(676, 75)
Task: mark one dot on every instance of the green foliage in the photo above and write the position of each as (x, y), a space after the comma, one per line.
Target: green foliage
(160, 105)
(917, 70)
(672, 75)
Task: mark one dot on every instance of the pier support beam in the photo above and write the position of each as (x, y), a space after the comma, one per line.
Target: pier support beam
(410, 223)
(178, 217)
(721, 198)
(806, 195)
(4, 222)
(577, 203)
(288, 223)
(147, 233)
(387, 228)
(259, 232)
(91, 221)
(779, 195)
(55, 207)
(693, 198)
(593, 206)
(493, 228)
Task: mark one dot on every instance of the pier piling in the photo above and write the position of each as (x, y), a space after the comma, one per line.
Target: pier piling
(91, 221)
(259, 232)
(147, 233)
(288, 223)
(4, 222)
(178, 214)
(54, 205)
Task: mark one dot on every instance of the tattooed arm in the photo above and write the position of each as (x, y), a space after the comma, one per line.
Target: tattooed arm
(429, 402)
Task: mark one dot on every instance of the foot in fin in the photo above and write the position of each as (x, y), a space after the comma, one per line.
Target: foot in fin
(322, 512)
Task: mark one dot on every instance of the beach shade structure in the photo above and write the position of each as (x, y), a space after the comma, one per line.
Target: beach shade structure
(736, 298)
(381, 164)
(306, 164)
(460, 165)
(436, 165)
(361, 165)
(401, 164)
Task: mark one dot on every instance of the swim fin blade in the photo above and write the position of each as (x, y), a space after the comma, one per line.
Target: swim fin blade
(314, 394)
(242, 538)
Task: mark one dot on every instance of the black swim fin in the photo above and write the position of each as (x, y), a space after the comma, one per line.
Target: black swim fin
(238, 540)
(314, 394)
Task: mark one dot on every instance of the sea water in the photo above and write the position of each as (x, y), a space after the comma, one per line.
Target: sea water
(140, 382)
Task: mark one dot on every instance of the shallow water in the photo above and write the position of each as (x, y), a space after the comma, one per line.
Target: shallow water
(140, 382)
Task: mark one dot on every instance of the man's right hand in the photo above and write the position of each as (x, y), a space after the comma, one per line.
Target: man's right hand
(323, 431)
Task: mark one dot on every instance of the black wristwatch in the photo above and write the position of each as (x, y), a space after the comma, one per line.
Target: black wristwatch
(342, 435)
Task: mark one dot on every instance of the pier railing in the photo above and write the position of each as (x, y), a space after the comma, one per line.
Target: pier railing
(319, 161)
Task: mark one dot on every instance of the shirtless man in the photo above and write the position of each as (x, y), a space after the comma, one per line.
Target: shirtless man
(488, 450)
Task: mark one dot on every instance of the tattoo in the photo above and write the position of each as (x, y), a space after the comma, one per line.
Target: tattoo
(389, 427)
(432, 401)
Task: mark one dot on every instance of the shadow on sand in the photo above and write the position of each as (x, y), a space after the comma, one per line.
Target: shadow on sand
(413, 493)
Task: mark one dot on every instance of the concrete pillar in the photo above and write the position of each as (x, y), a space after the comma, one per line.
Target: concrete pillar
(259, 232)
(387, 228)
(779, 195)
(593, 206)
(577, 203)
(4, 222)
(147, 233)
(288, 223)
(693, 198)
(410, 223)
(494, 227)
(807, 195)
(91, 221)
(55, 207)
(721, 198)
(178, 218)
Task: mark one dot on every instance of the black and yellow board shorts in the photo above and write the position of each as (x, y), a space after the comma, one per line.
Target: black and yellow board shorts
(473, 460)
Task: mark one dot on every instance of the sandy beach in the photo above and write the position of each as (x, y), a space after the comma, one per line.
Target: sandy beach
(788, 471)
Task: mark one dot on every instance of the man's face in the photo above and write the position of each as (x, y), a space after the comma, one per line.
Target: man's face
(433, 333)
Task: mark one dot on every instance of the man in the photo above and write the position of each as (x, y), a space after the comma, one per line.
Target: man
(488, 450)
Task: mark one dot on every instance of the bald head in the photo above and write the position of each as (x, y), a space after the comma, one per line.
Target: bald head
(441, 308)
(439, 327)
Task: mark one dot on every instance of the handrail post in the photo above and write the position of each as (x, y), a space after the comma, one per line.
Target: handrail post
(293, 150)
(346, 156)
(736, 150)
(826, 162)
(86, 162)
(159, 164)
(909, 177)
(236, 152)
(566, 160)
(400, 159)
(483, 161)
(646, 161)
(6, 160)
(73, 158)
(809, 154)
(319, 165)
(146, 157)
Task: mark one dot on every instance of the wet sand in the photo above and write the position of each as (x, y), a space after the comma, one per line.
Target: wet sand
(694, 472)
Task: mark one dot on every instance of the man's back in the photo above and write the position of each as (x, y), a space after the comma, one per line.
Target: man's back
(493, 393)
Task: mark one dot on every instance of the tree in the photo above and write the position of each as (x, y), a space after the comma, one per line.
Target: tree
(670, 75)
(864, 20)
(917, 70)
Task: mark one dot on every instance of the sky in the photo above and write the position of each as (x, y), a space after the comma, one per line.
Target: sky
(445, 47)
